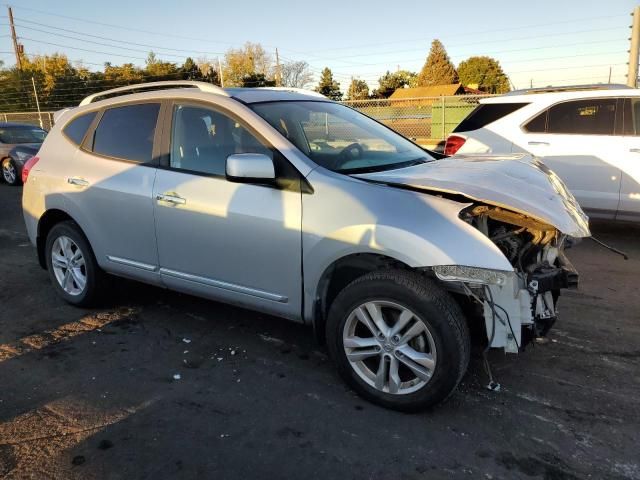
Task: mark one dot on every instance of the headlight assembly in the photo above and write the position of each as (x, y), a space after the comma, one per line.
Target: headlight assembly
(461, 273)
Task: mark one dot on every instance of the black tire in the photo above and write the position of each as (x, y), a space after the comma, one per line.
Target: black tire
(17, 180)
(96, 278)
(437, 310)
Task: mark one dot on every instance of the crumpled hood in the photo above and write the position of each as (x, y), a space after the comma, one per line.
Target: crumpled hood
(520, 183)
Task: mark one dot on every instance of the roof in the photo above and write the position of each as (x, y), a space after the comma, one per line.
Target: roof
(549, 97)
(430, 91)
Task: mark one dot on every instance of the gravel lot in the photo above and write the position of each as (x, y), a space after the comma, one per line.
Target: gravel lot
(91, 393)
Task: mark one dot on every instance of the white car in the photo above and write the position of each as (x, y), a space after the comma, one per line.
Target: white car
(590, 137)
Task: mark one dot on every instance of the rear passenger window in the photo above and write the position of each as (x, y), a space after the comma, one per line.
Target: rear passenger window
(77, 127)
(487, 113)
(595, 116)
(127, 132)
(631, 117)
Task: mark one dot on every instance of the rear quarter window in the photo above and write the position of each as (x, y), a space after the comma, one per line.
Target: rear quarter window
(76, 129)
(487, 113)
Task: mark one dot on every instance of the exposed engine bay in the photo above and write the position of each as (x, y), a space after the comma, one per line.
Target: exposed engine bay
(524, 305)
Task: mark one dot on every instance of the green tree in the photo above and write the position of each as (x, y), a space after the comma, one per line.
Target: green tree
(390, 82)
(190, 71)
(358, 90)
(328, 86)
(257, 80)
(159, 70)
(438, 69)
(485, 73)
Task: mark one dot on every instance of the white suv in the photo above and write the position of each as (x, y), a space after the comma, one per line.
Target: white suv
(293, 205)
(589, 136)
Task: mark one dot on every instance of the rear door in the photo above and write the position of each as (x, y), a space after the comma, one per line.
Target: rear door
(110, 183)
(577, 140)
(630, 162)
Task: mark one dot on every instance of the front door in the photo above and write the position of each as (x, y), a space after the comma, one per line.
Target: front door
(236, 242)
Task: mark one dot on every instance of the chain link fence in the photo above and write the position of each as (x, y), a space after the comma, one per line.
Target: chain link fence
(42, 119)
(426, 120)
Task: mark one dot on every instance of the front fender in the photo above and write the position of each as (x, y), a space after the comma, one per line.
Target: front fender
(345, 216)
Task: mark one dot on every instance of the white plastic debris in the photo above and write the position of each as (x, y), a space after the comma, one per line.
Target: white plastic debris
(219, 359)
(186, 340)
(185, 352)
(233, 352)
(177, 376)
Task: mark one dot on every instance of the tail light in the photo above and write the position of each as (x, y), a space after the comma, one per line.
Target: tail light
(453, 144)
(29, 164)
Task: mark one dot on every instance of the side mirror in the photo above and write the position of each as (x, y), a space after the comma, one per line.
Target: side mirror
(250, 167)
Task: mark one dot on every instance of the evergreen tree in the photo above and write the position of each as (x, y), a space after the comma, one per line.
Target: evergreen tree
(358, 90)
(484, 73)
(438, 69)
(328, 86)
(257, 80)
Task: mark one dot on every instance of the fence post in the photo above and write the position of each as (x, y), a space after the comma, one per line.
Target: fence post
(5, 117)
(443, 116)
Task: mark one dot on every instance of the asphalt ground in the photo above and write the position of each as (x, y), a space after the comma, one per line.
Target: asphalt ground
(91, 393)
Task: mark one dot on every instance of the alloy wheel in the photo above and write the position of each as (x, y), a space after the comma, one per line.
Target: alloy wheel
(389, 347)
(9, 171)
(68, 265)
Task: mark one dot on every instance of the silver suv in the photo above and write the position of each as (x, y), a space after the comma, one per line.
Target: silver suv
(287, 203)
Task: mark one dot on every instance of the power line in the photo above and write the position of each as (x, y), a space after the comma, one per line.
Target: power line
(155, 47)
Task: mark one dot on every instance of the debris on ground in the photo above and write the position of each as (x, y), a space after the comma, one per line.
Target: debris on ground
(177, 376)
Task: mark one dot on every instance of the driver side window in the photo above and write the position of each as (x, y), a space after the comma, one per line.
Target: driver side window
(202, 139)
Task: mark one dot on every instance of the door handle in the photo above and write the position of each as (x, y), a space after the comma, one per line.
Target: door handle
(81, 182)
(539, 143)
(171, 198)
(634, 150)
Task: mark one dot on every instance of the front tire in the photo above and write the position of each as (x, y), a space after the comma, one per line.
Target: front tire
(398, 339)
(10, 172)
(72, 266)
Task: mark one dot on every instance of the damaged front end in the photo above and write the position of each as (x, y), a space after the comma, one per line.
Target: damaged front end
(521, 305)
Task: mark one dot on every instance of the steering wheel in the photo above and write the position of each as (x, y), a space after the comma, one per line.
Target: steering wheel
(352, 151)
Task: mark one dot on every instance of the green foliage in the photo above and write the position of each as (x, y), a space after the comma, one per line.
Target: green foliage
(390, 82)
(327, 86)
(483, 73)
(358, 90)
(438, 69)
(257, 80)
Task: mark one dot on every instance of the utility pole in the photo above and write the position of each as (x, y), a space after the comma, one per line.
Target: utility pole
(220, 70)
(17, 48)
(634, 50)
(35, 93)
(278, 71)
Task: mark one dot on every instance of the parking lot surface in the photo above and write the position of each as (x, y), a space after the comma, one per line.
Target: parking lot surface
(161, 385)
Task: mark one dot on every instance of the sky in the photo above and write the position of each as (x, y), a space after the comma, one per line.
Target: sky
(538, 43)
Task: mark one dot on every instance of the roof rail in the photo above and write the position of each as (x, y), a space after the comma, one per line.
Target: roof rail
(570, 88)
(202, 86)
(304, 91)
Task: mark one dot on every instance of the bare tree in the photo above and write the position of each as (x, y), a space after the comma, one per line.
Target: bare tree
(296, 74)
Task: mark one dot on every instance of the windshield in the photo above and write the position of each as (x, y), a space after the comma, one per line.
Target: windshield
(26, 134)
(339, 138)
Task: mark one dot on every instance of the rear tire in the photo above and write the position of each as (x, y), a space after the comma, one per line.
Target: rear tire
(415, 357)
(72, 266)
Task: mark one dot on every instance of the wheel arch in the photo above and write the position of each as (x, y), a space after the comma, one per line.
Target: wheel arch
(339, 274)
(48, 220)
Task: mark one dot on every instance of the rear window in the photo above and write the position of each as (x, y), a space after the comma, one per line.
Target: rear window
(487, 113)
(77, 127)
(19, 134)
(127, 132)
